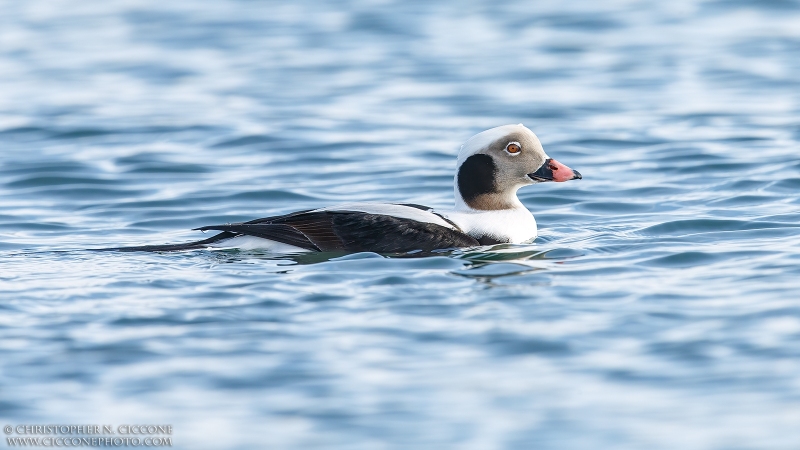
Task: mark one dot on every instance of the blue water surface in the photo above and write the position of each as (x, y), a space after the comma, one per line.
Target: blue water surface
(658, 309)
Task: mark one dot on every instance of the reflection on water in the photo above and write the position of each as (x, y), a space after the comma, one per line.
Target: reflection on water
(657, 309)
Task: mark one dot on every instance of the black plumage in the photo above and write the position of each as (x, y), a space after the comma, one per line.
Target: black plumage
(476, 177)
(336, 231)
(194, 245)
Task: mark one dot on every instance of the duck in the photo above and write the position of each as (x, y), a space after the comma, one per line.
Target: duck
(491, 167)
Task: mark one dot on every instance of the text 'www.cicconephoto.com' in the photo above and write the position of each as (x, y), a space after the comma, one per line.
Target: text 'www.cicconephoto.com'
(29, 435)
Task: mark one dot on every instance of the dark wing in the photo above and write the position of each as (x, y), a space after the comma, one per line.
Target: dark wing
(387, 234)
(352, 232)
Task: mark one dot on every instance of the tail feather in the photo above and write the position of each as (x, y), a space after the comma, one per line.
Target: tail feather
(195, 245)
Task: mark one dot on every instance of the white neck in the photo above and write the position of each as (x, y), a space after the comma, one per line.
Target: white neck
(514, 225)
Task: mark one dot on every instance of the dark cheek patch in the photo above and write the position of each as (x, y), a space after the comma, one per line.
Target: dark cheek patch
(476, 177)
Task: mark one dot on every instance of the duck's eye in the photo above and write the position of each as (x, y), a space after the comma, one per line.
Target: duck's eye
(513, 148)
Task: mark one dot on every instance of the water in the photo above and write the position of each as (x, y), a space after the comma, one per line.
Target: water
(657, 309)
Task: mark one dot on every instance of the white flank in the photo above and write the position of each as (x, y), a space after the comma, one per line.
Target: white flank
(256, 243)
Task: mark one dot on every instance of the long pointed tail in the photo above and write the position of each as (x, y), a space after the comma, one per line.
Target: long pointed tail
(195, 245)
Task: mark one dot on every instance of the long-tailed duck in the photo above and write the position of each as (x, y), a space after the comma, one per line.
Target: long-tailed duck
(492, 166)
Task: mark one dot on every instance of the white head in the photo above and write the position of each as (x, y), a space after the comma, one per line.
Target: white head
(494, 164)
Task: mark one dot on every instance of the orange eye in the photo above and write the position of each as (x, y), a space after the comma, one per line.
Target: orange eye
(513, 148)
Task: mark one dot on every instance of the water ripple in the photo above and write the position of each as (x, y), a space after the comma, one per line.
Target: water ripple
(657, 309)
